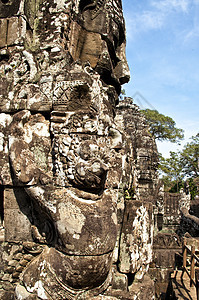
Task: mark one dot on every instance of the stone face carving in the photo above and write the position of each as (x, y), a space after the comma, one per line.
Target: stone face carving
(62, 152)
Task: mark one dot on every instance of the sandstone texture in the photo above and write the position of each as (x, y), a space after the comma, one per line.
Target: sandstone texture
(77, 168)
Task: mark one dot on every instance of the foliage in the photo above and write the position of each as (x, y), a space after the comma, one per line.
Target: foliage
(172, 186)
(122, 94)
(168, 184)
(176, 187)
(182, 165)
(190, 158)
(193, 188)
(162, 127)
(129, 193)
(171, 169)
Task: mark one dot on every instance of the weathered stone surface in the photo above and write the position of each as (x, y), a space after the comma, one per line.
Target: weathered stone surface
(140, 290)
(77, 172)
(7, 295)
(17, 214)
(119, 281)
(74, 272)
(3, 32)
(144, 289)
(5, 176)
(136, 243)
(130, 121)
(164, 258)
(9, 8)
(21, 293)
(167, 241)
(12, 263)
(168, 210)
(16, 219)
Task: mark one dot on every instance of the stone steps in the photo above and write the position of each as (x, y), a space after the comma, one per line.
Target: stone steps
(181, 286)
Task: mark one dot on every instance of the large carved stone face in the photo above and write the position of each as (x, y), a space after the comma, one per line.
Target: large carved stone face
(61, 74)
(102, 40)
(70, 168)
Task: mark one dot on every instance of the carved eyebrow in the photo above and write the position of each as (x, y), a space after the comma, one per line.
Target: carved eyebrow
(83, 5)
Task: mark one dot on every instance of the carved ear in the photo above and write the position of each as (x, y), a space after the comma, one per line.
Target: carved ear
(86, 4)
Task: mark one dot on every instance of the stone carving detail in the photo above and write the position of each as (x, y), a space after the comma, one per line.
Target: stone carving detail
(165, 240)
(67, 168)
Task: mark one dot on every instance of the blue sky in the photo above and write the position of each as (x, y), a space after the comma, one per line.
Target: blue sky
(163, 56)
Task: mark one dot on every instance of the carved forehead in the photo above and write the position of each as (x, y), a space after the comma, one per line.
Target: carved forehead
(90, 4)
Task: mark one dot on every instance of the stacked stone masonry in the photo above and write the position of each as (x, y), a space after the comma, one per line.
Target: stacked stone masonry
(77, 169)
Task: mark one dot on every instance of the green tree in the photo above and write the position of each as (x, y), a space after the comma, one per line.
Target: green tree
(162, 127)
(193, 187)
(171, 169)
(190, 158)
(122, 94)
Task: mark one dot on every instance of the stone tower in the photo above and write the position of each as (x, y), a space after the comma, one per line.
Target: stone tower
(75, 211)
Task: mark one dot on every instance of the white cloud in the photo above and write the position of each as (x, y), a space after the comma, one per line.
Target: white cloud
(142, 22)
(151, 20)
(168, 5)
(193, 33)
(155, 16)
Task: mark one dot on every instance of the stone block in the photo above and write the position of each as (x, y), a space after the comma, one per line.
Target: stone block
(143, 290)
(160, 275)
(164, 258)
(13, 31)
(3, 32)
(16, 30)
(136, 242)
(16, 198)
(16, 213)
(17, 226)
(161, 278)
(119, 281)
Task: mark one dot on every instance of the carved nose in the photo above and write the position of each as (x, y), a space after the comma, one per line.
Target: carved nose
(125, 72)
(122, 71)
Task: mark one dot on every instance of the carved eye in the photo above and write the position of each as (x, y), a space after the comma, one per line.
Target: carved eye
(4, 1)
(86, 4)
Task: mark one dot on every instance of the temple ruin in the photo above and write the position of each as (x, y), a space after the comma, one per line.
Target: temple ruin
(80, 198)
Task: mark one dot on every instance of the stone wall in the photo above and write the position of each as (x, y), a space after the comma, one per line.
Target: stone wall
(132, 122)
(171, 222)
(166, 249)
(77, 171)
(168, 210)
(133, 251)
(189, 224)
